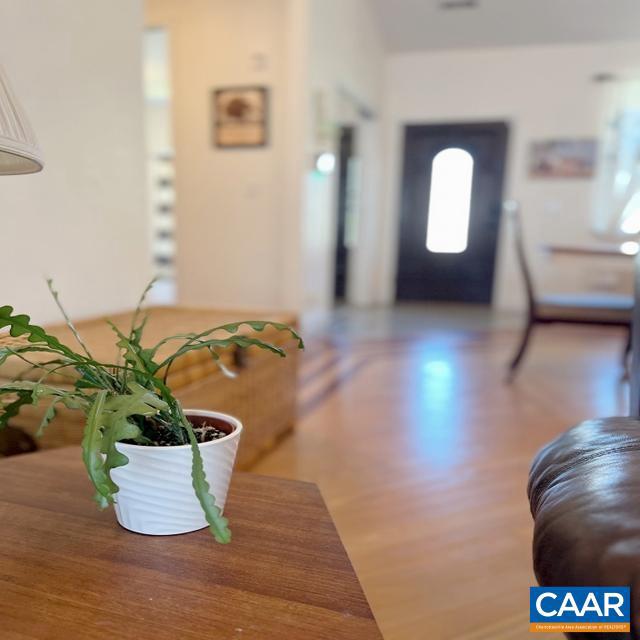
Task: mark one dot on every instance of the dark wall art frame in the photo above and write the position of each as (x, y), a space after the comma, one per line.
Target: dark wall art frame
(240, 117)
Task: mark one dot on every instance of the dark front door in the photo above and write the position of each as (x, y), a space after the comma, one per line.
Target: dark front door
(450, 212)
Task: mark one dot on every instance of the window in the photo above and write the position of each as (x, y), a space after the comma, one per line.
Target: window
(630, 219)
(449, 201)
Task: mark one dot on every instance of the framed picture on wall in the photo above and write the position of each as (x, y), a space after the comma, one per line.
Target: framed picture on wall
(570, 158)
(240, 117)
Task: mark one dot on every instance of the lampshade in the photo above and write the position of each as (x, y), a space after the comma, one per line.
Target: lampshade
(19, 152)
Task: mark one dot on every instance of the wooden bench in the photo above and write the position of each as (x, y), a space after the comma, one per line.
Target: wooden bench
(263, 396)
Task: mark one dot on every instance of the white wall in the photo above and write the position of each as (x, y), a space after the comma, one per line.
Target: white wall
(345, 69)
(297, 26)
(76, 68)
(542, 92)
(229, 202)
(255, 228)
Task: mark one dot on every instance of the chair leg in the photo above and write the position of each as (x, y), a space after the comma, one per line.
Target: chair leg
(524, 343)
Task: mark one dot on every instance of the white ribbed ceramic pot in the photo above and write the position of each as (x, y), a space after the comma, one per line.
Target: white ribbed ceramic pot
(155, 494)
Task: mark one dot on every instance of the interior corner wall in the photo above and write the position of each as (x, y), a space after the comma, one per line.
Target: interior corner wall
(346, 61)
(542, 93)
(297, 26)
(229, 202)
(75, 67)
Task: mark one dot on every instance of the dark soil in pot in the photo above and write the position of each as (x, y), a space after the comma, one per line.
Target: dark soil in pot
(205, 428)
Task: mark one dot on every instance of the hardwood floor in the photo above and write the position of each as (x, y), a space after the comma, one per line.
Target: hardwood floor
(422, 453)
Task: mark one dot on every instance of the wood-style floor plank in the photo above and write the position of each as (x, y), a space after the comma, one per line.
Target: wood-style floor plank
(422, 454)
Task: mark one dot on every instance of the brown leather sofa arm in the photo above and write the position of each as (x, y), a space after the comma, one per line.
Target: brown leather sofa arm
(584, 493)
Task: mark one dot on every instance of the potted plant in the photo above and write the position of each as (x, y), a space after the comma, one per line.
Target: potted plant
(165, 469)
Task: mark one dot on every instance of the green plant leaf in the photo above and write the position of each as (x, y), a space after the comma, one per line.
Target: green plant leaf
(139, 401)
(140, 359)
(135, 334)
(148, 397)
(39, 391)
(119, 428)
(17, 351)
(234, 327)
(18, 385)
(117, 411)
(48, 416)
(67, 319)
(261, 325)
(21, 325)
(108, 423)
(12, 409)
(88, 379)
(91, 453)
(218, 524)
(238, 341)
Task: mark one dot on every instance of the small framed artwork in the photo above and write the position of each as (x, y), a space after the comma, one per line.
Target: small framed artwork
(240, 117)
(571, 158)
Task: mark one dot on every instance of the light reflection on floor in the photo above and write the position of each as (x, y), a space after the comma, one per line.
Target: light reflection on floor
(435, 412)
(422, 453)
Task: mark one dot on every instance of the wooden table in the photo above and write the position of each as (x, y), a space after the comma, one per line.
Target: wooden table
(69, 572)
(594, 250)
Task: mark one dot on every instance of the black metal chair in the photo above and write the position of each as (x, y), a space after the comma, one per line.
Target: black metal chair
(587, 309)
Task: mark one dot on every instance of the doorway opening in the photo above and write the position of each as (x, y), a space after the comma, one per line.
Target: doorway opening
(450, 212)
(347, 214)
(160, 163)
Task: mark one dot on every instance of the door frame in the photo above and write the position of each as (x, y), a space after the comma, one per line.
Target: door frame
(501, 126)
(341, 201)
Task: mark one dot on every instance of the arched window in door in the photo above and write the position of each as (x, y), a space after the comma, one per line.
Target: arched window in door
(449, 201)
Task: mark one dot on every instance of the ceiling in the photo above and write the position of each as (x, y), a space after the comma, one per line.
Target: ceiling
(415, 25)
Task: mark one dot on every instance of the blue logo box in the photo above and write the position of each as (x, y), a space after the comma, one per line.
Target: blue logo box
(575, 605)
